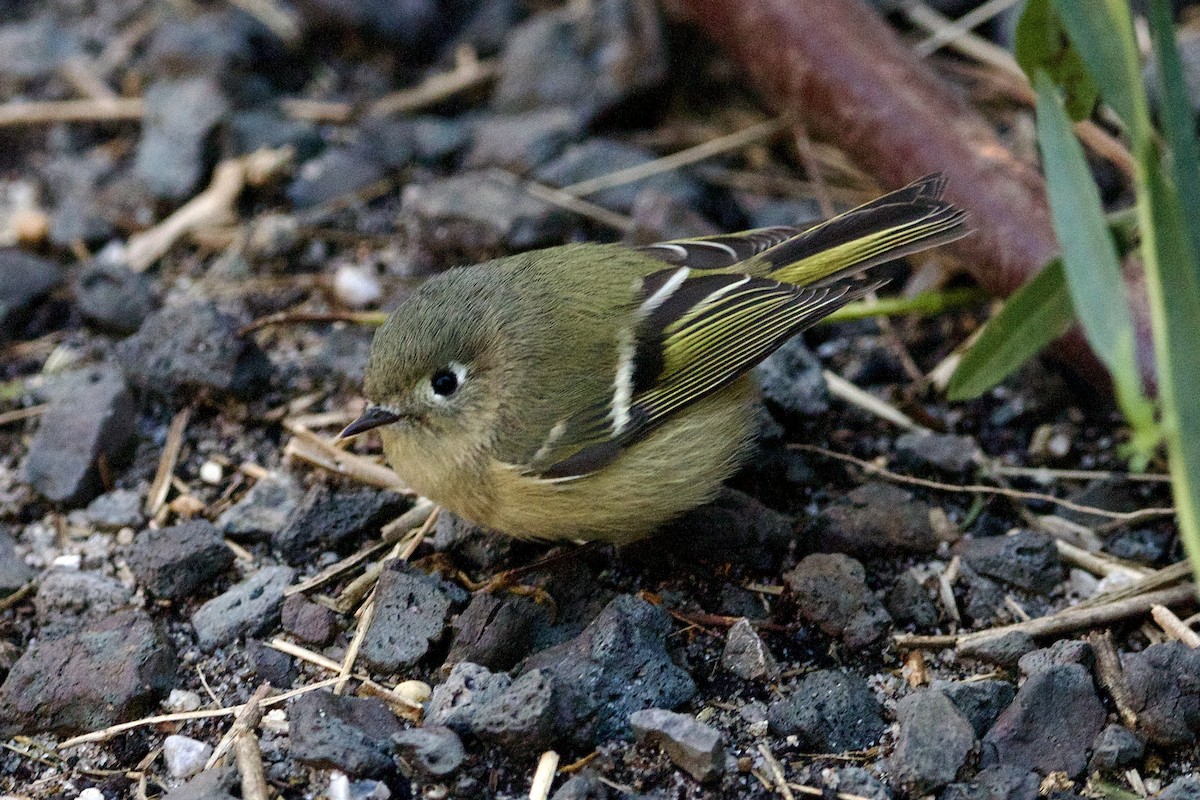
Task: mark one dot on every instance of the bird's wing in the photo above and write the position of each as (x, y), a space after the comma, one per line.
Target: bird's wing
(694, 335)
(718, 252)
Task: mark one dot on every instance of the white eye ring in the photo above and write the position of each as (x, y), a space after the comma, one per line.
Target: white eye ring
(451, 378)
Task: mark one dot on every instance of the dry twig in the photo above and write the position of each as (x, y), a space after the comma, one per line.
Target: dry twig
(469, 71)
(166, 463)
(311, 448)
(1174, 626)
(543, 776)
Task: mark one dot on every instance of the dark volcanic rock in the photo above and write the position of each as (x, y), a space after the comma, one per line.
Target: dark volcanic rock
(830, 712)
(396, 141)
(875, 518)
(519, 715)
(211, 784)
(792, 381)
(586, 785)
(334, 173)
(857, 781)
(746, 654)
(1064, 651)
(1025, 559)
(113, 297)
(265, 509)
(14, 572)
(909, 602)
(250, 607)
(180, 114)
(434, 750)
(831, 592)
(522, 142)
(496, 632)
(23, 279)
(733, 528)
(1144, 545)
(90, 421)
(597, 156)
(1185, 788)
(270, 665)
(353, 734)
(120, 508)
(69, 600)
(190, 348)
(934, 741)
(329, 520)
(694, 747)
(172, 563)
(616, 666)
(1050, 725)
(997, 783)
(113, 671)
(456, 701)
(1116, 748)
(1164, 688)
(308, 621)
(979, 701)
(410, 614)
(941, 451)
(590, 60)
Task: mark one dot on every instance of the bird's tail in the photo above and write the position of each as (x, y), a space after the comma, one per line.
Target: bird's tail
(895, 225)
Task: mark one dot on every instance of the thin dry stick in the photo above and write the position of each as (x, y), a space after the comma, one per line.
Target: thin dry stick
(1174, 626)
(311, 448)
(278, 19)
(776, 769)
(158, 719)
(360, 633)
(543, 776)
(1111, 676)
(844, 389)
(166, 463)
(690, 155)
(1046, 475)
(18, 414)
(815, 792)
(1155, 580)
(468, 73)
(301, 317)
(250, 766)
(17, 596)
(557, 197)
(1098, 563)
(316, 659)
(963, 25)
(92, 109)
(1123, 516)
(246, 720)
(333, 112)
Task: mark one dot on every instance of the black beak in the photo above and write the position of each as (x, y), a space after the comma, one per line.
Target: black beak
(373, 417)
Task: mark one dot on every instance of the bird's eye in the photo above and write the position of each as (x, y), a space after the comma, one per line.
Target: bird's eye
(444, 382)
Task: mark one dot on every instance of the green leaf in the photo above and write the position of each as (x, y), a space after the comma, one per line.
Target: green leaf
(1042, 43)
(1102, 32)
(1032, 317)
(1089, 257)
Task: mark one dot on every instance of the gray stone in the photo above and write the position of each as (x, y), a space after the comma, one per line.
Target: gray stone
(746, 654)
(831, 592)
(599, 156)
(659, 216)
(522, 142)
(1164, 689)
(767, 212)
(1116, 748)
(1143, 545)
(337, 172)
(329, 520)
(396, 141)
(264, 509)
(480, 214)
(208, 42)
(940, 451)
(248, 608)
(32, 50)
(692, 746)
(496, 632)
(909, 602)
(521, 718)
(1064, 651)
(113, 297)
(1050, 725)
(857, 781)
(269, 664)
(585, 785)
(792, 381)
(111, 672)
(14, 572)
(434, 750)
(981, 702)
(192, 348)
(933, 744)
(70, 600)
(351, 734)
(308, 621)
(1025, 559)
(875, 518)
(120, 508)
(1185, 788)
(180, 114)
(617, 665)
(831, 712)
(93, 422)
(410, 615)
(173, 562)
(212, 784)
(997, 783)
(456, 701)
(24, 278)
(591, 60)
(1005, 649)
(985, 597)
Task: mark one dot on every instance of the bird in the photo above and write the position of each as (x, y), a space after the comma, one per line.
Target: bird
(592, 392)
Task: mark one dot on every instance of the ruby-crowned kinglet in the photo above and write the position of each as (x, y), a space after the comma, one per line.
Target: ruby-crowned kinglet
(595, 391)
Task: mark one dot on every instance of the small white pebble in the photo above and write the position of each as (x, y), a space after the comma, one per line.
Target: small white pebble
(185, 756)
(355, 286)
(68, 561)
(125, 537)
(414, 692)
(339, 786)
(91, 793)
(211, 473)
(181, 700)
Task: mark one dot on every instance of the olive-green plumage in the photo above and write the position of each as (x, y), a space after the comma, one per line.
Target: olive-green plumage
(593, 392)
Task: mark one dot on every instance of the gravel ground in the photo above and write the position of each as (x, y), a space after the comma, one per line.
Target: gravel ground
(826, 626)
